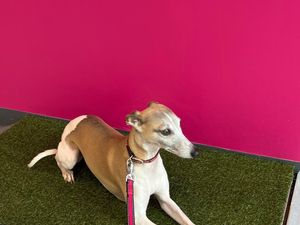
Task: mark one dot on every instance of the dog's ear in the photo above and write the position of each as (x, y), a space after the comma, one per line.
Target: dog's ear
(152, 103)
(135, 120)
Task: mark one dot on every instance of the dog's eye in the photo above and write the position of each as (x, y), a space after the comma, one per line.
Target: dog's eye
(165, 132)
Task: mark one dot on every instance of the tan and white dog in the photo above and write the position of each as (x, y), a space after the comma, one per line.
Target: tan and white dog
(105, 152)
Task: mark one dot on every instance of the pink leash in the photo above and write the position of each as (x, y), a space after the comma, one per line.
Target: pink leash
(130, 202)
(130, 192)
(130, 182)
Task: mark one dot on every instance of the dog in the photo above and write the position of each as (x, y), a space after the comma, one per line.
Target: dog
(106, 152)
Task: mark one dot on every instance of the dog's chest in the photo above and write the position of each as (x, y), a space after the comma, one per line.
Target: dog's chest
(150, 176)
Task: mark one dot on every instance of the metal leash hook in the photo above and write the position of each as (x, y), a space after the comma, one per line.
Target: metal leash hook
(130, 192)
(129, 169)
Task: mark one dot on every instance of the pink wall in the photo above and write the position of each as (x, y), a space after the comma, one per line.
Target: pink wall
(230, 69)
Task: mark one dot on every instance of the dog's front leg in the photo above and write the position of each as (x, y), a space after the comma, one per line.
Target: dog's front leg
(143, 220)
(167, 204)
(141, 200)
(172, 209)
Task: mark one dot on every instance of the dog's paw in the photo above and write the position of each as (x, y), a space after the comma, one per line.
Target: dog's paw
(68, 176)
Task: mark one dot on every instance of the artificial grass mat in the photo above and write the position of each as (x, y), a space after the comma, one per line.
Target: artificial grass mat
(218, 188)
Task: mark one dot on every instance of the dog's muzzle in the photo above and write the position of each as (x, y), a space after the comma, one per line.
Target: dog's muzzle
(194, 152)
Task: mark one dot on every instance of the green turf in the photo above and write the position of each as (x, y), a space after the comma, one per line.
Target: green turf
(218, 188)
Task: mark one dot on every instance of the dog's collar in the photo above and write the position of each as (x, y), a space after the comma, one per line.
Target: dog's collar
(137, 160)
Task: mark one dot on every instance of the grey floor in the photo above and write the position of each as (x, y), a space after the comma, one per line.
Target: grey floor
(4, 128)
(8, 118)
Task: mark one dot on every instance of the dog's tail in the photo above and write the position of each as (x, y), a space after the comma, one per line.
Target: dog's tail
(41, 155)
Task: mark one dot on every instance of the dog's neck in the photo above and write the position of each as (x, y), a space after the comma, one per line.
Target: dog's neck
(141, 149)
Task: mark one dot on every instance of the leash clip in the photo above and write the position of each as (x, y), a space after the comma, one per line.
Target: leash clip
(129, 169)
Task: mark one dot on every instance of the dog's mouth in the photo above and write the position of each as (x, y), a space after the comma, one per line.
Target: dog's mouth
(174, 151)
(182, 154)
(171, 150)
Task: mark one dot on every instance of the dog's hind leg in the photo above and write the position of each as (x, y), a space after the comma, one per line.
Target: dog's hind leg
(68, 153)
(66, 157)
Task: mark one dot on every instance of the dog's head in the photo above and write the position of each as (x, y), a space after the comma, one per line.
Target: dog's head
(158, 126)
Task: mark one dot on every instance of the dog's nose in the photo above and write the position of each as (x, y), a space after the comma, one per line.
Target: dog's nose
(194, 153)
